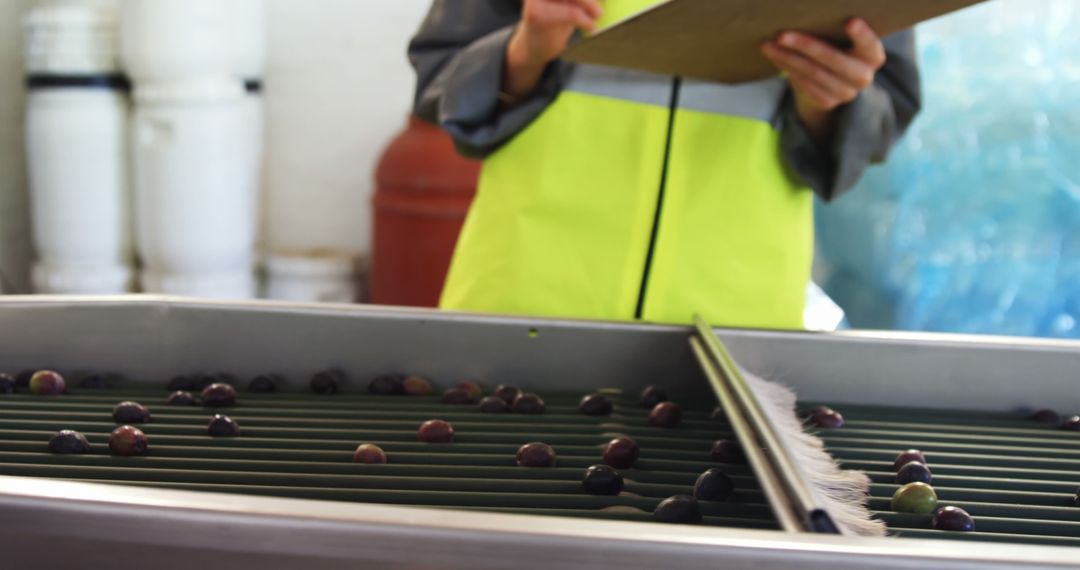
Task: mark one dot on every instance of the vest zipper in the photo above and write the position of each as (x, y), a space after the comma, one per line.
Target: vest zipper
(674, 105)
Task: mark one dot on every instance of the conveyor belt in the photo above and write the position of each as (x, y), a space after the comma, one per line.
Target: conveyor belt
(1016, 477)
(301, 445)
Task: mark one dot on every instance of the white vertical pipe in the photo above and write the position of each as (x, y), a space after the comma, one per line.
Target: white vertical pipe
(77, 151)
(197, 138)
(76, 141)
(197, 161)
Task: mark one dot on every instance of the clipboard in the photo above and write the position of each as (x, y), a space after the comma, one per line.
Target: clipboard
(720, 40)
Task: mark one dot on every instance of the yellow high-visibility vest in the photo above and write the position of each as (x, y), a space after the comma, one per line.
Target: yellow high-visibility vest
(640, 196)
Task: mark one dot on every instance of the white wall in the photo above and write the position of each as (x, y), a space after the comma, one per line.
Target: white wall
(14, 209)
(338, 88)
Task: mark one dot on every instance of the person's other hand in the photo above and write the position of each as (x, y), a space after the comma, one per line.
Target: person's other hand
(545, 30)
(824, 77)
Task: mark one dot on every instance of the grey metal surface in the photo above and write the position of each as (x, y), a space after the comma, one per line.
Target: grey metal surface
(56, 525)
(152, 338)
(912, 369)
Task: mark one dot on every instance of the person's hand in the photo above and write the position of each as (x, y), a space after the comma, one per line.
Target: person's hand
(545, 29)
(824, 77)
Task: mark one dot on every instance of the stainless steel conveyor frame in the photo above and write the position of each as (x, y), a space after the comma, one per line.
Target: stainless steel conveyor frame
(55, 524)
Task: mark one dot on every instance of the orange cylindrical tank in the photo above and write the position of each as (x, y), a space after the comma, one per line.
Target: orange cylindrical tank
(423, 190)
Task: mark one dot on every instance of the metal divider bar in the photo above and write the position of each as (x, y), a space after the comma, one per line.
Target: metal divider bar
(794, 493)
(767, 476)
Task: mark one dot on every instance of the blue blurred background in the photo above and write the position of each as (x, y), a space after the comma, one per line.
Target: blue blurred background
(973, 226)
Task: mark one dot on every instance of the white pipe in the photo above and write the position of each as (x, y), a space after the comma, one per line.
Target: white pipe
(77, 151)
(76, 140)
(171, 40)
(197, 150)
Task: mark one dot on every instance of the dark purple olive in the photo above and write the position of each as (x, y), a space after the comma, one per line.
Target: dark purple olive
(262, 384)
(68, 441)
(387, 385)
(1076, 499)
(680, 509)
(435, 431)
(595, 405)
(665, 415)
(458, 397)
(817, 410)
(181, 383)
(908, 456)
(621, 453)
(472, 388)
(728, 451)
(952, 518)
(602, 480)
(493, 405)
(325, 382)
(536, 454)
(7, 384)
(826, 418)
(369, 453)
(130, 413)
(914, 472)
(1047, 416)
(1071, 424)
(127, 441)
(713, 485)
(93, 382)
(652, 396)
(416, 386)
(222, 426)
(529, 404)
(507, 392)
(181, 398)
(218, 395)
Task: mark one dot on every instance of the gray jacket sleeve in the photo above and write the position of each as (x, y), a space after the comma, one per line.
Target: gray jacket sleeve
(867, 128)
(458, 55)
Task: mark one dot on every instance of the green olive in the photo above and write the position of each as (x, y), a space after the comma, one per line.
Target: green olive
(915, 498)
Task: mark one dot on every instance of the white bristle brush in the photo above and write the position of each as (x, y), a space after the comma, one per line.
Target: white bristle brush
(842, 493)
